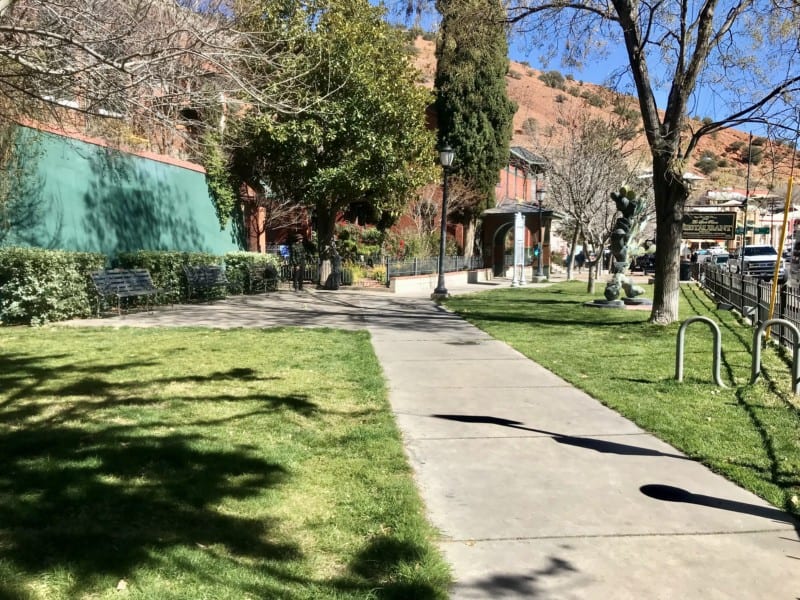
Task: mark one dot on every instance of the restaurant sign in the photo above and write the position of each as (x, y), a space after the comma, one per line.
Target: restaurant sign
(709, 226)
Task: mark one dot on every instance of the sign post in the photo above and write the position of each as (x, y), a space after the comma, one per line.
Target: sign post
(519, 250)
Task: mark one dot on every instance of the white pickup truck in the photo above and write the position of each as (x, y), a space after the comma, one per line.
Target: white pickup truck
(757, 261)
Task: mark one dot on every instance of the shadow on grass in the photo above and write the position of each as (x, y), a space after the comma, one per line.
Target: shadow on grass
(101, 502)
(100, 498)
(91, 494)
(588, 443)
(532, 318)
(390, 568)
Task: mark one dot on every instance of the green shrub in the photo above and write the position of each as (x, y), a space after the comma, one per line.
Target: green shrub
(735, 146)
(754, 156)
(530, 126)
(237, 269)
(38, 286)
(707, 163)
(593, 98)
(759, 141)
(552, 79)
(560, 98)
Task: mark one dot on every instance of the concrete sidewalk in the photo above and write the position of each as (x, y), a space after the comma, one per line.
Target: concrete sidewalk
(538, 490)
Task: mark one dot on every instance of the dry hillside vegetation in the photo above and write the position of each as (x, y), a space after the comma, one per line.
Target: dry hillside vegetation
(543, 110)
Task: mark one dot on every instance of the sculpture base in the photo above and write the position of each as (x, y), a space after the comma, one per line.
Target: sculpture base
(605, 304)
(638, 301)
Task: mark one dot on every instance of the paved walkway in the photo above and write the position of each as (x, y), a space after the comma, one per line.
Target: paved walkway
(538, 490)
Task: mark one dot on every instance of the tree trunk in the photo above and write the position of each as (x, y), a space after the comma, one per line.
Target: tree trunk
(469, 237)
(591, 267)
(326, 228)
(670, 193)
(571, 261)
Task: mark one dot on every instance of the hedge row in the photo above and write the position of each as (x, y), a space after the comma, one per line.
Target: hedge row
(38, 286)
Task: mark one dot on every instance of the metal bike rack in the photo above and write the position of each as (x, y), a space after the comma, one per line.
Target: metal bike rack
(755, 370)
(717, 348)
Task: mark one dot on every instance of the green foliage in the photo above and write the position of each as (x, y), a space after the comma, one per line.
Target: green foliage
(707, 121)
(553, 79)
(166, 268)
(365, 139)
(237, 268)
(754, 156)
(593, 98)
(38, 286)
(625, 110)
(707, 163)
(218, 177)
(530, 126)
(574, 91)
(736, 146)
(760, 141)
(355, 241)
(514, 74)
(472, 105)
(560, 98)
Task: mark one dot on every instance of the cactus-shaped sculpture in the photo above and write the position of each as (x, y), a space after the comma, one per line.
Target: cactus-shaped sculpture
(631, 209)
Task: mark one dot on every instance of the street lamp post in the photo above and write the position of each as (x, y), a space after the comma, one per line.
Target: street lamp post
(540, 192)
(446, 156)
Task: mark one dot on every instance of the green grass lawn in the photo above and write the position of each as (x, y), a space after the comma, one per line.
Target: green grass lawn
(199, 464)
(749, 433)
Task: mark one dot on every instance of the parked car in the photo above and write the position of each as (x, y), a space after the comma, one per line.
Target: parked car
(758, 261)
(720, 259)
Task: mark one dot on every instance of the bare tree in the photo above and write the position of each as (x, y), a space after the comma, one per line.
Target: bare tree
(138, 63)
(591, 161)
(743, 53)
(267, 212)
(425, 209)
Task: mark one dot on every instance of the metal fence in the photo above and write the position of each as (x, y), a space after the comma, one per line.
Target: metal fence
(752, 297)
(429, 265)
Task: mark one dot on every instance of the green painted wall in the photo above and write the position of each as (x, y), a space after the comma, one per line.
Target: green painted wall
(86, 197)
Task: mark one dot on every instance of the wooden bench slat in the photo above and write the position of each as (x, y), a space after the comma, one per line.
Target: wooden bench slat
(123, 283)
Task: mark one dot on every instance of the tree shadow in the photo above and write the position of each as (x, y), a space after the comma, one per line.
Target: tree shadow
(596, 444)
(524, 585)
(103, 501)
(669, 493)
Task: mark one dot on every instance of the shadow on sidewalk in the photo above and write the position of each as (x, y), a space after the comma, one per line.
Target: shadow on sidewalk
(669, 493)
(595, 444)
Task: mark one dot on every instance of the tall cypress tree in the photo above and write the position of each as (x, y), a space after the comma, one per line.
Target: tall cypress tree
(473, 109)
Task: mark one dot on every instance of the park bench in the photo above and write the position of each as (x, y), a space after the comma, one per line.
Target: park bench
(204, 278)
(262, 278)
(121, 284)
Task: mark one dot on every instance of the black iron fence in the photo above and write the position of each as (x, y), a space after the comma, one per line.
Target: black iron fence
(429, 265)
(751, 296)
(393, 267)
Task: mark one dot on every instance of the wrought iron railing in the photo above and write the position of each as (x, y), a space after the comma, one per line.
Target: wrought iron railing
(752, 296)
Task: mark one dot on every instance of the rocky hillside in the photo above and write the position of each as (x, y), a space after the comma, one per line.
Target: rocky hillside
(545, 98)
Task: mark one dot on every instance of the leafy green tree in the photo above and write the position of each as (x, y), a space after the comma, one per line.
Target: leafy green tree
(747, 48)
(364, 141)
(472, 105)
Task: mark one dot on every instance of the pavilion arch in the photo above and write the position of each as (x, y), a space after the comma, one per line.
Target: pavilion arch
(496, 223)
